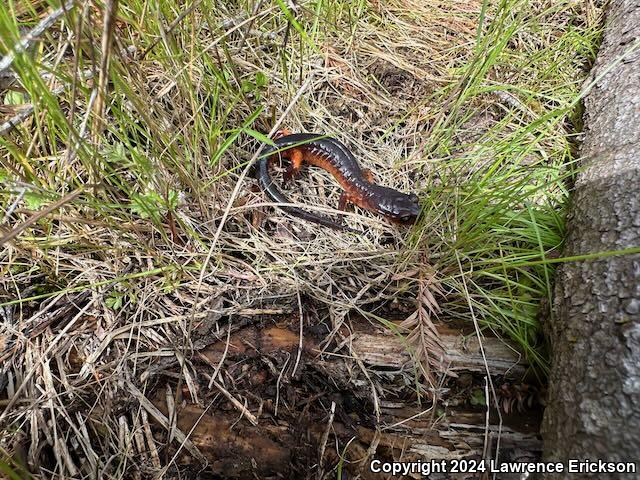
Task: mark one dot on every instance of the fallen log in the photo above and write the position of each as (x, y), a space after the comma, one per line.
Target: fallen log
(239, 450)
(307, 416)
(383, 349)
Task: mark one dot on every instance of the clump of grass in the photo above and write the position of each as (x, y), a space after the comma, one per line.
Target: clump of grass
(503, 184)
(467, 103)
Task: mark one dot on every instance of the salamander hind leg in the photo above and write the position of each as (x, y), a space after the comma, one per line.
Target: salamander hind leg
(296, 158)
(344, 200)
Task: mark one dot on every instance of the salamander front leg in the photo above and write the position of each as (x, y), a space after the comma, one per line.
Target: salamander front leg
(368, 174)
(283, 132)
(296, 158)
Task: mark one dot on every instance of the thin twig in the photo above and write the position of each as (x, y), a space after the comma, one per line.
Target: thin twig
(301, 329)
(325, 438)
(26, 41)
(27, 110)
(241, 408)
(110, 13)
(41, 214)
(284, 368)
(164, 421)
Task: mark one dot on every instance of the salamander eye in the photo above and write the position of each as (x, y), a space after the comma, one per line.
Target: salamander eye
(407, 218)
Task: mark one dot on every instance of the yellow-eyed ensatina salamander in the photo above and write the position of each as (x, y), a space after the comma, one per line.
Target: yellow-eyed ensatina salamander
(333, 156)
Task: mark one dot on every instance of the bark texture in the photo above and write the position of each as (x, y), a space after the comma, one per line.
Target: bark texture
(594, 394)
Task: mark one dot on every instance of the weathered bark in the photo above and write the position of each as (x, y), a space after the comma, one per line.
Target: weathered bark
(594, 396)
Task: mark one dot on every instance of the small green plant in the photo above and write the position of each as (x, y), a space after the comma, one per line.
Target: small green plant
(477, 398)
(12, 473)
(152, 205)
(115, 300)
(35, 200)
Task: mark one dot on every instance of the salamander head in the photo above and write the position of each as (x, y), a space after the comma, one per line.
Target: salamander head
(397, 206)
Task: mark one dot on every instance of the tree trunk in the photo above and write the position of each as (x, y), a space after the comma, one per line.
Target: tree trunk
(593, 407)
